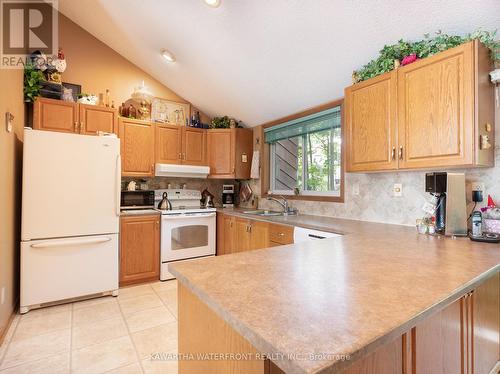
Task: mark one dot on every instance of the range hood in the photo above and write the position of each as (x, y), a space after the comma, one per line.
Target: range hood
(186, 171)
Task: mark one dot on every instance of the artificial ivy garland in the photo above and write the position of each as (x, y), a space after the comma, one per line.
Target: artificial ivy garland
(405, 52)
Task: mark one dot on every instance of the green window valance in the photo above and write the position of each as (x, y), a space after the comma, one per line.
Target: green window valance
(327, 119)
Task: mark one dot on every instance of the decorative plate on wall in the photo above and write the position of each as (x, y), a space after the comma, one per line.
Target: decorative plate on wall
(167, 111)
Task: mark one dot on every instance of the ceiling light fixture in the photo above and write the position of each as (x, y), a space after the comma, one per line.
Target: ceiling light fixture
(212, 3)
(167, 55)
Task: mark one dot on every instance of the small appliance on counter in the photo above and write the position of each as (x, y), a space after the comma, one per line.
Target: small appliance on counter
(228, 195)
(451, 213)
(137, 199)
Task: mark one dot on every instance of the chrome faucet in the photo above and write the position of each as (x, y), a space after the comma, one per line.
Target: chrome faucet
(284, 204)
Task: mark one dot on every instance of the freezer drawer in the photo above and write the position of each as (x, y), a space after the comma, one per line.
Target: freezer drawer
(58, 269)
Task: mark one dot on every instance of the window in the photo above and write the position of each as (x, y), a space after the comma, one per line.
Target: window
(305, 155)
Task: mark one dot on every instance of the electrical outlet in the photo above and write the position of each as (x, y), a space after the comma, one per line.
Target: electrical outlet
(355, 189)
(2, 296)
(397, 190)
(477, 191)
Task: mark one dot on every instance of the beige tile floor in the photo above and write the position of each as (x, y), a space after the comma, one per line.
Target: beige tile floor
(105, 335)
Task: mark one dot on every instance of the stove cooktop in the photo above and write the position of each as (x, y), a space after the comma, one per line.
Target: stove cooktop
(187, 210)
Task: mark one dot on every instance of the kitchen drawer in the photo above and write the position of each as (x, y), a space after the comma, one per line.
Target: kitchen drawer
(280, 234)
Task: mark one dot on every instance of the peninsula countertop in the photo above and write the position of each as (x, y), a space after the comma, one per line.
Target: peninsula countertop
(341, 296)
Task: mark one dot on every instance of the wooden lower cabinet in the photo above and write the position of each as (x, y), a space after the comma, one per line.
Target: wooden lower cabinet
(139, 249)
(463, 338)
(438, 342)
(280, 234)
(229, 234)
(242, 242)
(486, 325)
(259, 234)
(201, 331)
(388, 359)
(236, 234)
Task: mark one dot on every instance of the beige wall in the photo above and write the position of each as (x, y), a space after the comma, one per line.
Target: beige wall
(96, 67)
(11, 99)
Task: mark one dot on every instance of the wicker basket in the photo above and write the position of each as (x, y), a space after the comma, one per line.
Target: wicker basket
(491, 225)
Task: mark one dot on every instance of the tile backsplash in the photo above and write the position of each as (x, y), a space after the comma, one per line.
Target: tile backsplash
(375, 201)
(213, 185)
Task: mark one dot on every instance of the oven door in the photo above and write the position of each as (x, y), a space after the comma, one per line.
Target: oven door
(187, 236)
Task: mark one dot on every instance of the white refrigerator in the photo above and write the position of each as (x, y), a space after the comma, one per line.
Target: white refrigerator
(70, 217)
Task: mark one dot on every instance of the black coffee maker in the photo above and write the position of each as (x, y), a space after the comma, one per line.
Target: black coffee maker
(435, 184)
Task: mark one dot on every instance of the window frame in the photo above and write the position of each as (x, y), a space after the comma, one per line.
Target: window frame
(266, 155)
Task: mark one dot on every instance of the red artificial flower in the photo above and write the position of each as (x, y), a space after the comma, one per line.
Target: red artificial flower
(409, 59)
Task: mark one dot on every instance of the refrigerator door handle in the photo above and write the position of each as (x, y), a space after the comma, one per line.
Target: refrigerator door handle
(118, 176)
(64, 243)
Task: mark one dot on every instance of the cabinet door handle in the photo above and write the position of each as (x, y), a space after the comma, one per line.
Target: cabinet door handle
(393, 153)
(81, 126)
(281, 234)
(180, 156)
(401, 152)
(152, 168)
(76, 126)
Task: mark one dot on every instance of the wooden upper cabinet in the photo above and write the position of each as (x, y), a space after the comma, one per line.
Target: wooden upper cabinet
(55, 115)
(370, 122)
(95, 118)
(180, 145)
(194, 145)
(220, 144)
(139, 249)
(62, 116)
(137, 143)
(436, 110)
(230, 153)
(168, 144)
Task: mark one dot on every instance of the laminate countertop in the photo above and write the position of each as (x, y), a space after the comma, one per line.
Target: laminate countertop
(346, 295)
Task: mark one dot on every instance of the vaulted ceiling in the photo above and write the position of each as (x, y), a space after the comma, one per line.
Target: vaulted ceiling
(258, 60)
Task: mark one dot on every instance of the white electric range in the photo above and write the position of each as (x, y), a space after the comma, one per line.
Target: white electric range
(187, 231)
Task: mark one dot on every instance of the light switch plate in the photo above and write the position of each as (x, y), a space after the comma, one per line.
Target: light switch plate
(8, 121)
(397, 190)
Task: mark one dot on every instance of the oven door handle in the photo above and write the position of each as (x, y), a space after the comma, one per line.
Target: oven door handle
(185, 216)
